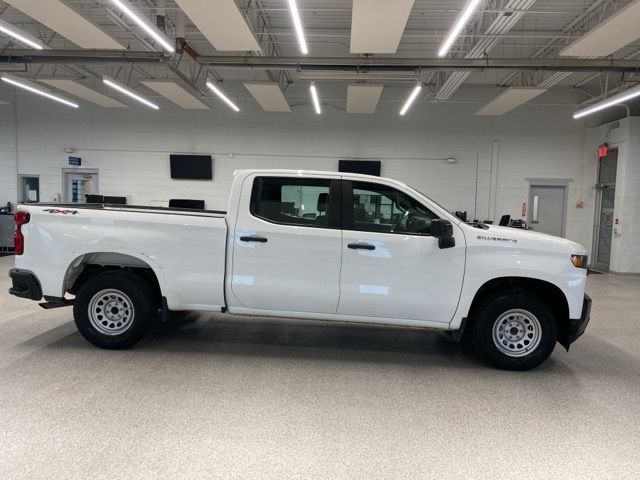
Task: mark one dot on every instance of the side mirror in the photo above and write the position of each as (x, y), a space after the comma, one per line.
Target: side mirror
(443, 230)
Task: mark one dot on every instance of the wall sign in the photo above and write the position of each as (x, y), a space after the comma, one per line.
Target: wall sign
(75, 161)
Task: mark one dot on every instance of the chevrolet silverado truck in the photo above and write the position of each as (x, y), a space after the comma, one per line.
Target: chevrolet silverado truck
(309, 245)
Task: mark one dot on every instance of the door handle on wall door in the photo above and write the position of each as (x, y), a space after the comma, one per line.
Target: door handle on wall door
(253, 238)
(361, 246)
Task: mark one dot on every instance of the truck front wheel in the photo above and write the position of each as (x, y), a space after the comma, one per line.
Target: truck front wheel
(114, 309)
(514, 330)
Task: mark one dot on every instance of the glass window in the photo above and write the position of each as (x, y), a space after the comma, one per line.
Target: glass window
(292, 201)
(379, 208)
(30, 189)
(608, 167)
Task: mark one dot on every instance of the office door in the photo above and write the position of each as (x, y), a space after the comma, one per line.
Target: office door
(547, 207)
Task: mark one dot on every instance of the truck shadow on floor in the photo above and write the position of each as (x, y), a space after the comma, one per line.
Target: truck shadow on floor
(263, 336)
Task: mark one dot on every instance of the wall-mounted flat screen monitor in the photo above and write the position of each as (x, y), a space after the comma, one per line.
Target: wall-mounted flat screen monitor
(186, 203)
(191, 167)
(93, 198)
(115, 200)
(367, 167)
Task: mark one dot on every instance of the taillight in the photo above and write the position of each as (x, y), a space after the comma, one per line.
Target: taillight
(18, 239)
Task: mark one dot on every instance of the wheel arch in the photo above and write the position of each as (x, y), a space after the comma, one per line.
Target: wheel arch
(89, 264)
(549, 292)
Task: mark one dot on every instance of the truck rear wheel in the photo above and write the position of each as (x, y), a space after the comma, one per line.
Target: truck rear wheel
(114, 309)
(514, 330)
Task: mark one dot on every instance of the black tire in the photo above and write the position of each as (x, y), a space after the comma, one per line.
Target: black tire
(135, 290)
(496, 306)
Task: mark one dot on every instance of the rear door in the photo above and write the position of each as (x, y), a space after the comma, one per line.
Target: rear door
(392, 267)
(287, 244)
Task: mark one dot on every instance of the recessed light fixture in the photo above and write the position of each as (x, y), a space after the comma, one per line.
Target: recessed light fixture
(34, 88)
(461, 21)
(128, 92)
(21, 36)
(222, 96)
(297, 23)
(314, 97)
(134, 14)
(411, 99)
(609, 102)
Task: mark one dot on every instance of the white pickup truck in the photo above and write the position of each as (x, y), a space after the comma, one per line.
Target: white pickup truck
(310, 245)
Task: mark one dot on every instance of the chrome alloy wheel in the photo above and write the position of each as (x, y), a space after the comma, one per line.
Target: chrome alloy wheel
(517, 332)
(111, 312)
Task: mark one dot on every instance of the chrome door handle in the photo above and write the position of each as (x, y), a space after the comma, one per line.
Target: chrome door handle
(361, 246)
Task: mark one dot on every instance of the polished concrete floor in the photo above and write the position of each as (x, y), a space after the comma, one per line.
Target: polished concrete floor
(234, 398)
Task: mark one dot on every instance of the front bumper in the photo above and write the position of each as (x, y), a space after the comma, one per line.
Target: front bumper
(577, 326)
(25, 284)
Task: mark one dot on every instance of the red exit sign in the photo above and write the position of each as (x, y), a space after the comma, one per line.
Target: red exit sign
(603, 150)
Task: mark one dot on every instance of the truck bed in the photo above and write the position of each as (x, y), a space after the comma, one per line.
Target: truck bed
(184, 248)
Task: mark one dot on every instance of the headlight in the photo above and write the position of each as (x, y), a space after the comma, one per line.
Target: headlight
(579, 261)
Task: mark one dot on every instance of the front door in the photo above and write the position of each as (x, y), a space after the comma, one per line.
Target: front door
(286, 249)
(605, 203)
(547, 207)
(391, 266)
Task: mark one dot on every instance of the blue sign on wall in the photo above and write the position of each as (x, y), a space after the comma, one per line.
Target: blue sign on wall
(75, 161)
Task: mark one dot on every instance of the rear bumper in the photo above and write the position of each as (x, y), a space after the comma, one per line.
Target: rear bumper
(579, 325)
(25, 284)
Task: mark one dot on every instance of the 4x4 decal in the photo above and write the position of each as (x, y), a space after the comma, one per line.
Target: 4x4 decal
(64, 212)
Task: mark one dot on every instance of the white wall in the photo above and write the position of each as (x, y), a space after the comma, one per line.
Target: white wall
(8, 159)
(131, 149)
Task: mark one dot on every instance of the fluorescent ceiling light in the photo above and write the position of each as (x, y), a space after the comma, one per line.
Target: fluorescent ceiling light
(143, 22)
(64, 20)
(175, 93)
(21, 36)
(609, 102)
(128, 92)
(222, 23)
(610, 36)
(222, 96)
(295, 16)
(269, 96)
(463, 18)
(411, 99)
(34, 88)
(377, 25)
(363, 98)
(508, 100)
(316, 100)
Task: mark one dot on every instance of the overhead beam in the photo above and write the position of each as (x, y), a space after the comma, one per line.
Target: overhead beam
(344, 64)
(348, 64)
(79, 57)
